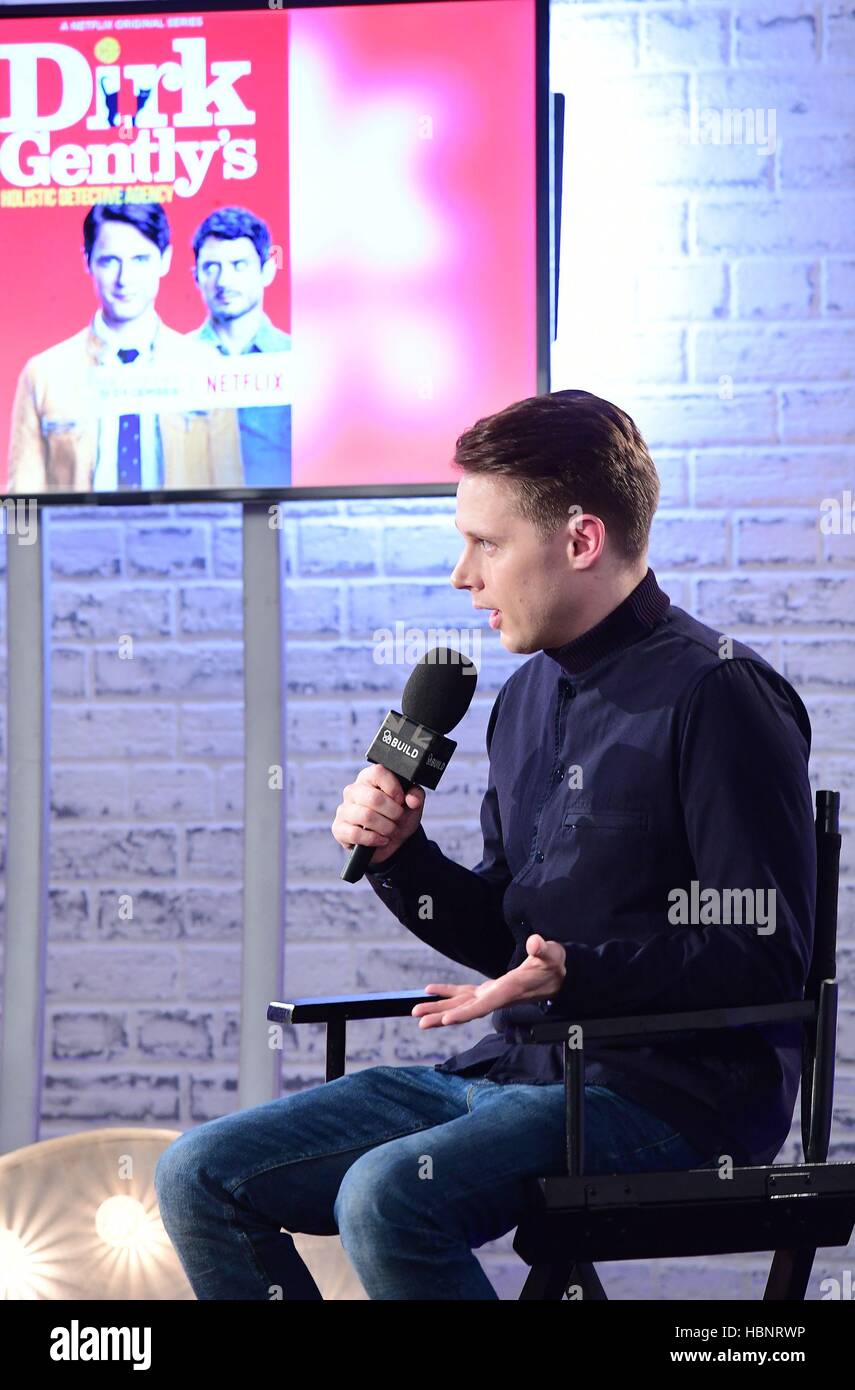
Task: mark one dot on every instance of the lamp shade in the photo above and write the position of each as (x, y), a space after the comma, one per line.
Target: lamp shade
(79, 1219)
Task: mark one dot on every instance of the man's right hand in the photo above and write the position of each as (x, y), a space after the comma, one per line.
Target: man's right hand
(376, 812)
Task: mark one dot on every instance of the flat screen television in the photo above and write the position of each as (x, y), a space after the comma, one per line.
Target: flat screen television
(253, 251)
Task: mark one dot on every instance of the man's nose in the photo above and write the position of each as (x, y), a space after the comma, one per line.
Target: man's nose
(458, 576)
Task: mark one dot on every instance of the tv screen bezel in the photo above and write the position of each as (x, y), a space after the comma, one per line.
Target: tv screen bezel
(543, 244)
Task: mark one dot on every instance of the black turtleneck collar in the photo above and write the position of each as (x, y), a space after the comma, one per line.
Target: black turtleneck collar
(635, 617)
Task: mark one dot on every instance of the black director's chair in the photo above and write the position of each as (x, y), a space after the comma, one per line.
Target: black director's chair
(792, 1208)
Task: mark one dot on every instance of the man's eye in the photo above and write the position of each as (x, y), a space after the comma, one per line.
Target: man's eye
(484, 543)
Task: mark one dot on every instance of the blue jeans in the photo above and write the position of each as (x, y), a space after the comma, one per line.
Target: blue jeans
(412, 1167)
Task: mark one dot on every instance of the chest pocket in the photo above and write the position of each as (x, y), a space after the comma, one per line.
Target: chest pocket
(585, 819)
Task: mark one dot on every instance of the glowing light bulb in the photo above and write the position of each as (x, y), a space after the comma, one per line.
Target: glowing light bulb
(15, 1265)
(122, 1223)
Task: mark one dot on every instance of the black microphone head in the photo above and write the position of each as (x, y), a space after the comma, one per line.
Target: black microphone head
(439, 689)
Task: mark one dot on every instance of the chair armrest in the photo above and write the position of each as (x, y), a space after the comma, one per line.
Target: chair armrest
(645, 1025)
(331, 1008)
(335, 1010)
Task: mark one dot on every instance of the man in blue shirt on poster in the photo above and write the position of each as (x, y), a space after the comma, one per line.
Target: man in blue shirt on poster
(234, 266)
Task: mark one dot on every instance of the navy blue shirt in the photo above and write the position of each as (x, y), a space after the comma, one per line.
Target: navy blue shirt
(646, 756)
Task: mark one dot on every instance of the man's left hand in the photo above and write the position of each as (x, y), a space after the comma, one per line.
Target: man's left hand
(540, 975)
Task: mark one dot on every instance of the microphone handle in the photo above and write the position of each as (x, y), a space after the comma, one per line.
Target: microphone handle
(360, 855)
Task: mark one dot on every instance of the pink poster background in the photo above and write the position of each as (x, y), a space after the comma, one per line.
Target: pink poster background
(413, 232)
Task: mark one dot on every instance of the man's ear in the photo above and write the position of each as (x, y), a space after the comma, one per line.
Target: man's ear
(268, 270)
(165, 260)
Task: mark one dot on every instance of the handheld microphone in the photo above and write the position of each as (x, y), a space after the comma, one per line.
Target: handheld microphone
(412, 744)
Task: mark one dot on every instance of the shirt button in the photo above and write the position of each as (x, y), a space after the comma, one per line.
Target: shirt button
(539, 856)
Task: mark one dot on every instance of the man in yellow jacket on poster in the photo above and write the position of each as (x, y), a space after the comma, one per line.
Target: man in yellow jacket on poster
(58, 442)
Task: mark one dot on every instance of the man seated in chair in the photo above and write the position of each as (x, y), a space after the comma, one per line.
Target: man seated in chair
(648, 848)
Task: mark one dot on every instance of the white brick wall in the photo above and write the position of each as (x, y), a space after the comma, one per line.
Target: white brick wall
(708, 287)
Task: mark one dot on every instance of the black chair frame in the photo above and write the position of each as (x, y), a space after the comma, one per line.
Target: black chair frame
(576, 1219)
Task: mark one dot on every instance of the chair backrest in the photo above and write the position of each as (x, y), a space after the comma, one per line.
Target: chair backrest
(828, 840)
(819, 1040)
